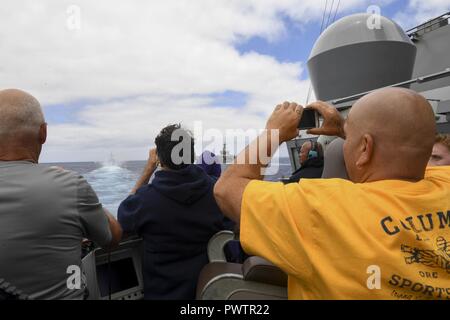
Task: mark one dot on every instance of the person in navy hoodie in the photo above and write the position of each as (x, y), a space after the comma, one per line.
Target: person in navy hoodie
(209, 162)
(176, 214)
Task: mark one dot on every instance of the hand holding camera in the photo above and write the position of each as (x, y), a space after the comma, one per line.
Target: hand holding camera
(333, 123)
(285, 119)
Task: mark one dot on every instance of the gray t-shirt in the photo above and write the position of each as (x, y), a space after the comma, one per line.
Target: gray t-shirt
(44, 214)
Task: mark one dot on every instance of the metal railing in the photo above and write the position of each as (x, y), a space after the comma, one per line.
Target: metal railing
(431, 77)
(428, 25)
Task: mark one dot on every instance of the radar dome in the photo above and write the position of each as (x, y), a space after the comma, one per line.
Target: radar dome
(359, 53)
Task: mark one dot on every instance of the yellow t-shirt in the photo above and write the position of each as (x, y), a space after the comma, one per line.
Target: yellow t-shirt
(341, 240)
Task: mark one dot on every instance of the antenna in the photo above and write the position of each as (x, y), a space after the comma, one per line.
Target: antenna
(322, 28)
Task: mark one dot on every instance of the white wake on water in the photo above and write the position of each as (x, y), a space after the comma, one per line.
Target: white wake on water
(112, 184)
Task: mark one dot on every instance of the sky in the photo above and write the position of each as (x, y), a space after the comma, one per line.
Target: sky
(110, 74)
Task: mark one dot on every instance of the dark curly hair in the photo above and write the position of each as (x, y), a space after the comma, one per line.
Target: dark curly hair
(173, 145)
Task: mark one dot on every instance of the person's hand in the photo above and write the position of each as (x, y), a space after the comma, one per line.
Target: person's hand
(333, 123)
(285, 119)
(153, 160)
(149, 169)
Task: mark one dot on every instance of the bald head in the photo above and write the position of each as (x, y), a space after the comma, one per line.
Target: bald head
(304, 151)
(390, 135)
(19, 111)
(21, 123)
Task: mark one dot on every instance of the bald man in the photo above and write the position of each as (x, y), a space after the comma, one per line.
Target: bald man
(383, 234)
(45, 212)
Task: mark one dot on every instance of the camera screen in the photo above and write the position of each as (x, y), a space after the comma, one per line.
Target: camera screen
(120, 275)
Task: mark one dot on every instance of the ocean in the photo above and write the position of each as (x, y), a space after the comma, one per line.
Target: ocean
(113, 182)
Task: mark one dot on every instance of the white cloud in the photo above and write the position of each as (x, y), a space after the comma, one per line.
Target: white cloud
(145, 62)
(129, 126)
(418, 12)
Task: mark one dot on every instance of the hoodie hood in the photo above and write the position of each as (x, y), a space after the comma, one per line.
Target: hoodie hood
(184, 186)
(209, 162)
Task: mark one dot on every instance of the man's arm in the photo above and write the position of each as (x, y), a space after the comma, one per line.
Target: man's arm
(116, 229)
(98, 224)
(230, 187)
(150, 168)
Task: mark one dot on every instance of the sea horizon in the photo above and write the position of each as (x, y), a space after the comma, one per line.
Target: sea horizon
(113, 181)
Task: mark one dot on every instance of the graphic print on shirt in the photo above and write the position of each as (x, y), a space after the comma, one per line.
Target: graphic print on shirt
(439, 258)
(433, 257)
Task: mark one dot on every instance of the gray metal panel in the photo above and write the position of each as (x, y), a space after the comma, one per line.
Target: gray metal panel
(360, 67)
(353, 29)
(133, 249)
(349, 57)
(293, 147)
(443, 107)
(443, 127)
(433, 55)
(440, 94)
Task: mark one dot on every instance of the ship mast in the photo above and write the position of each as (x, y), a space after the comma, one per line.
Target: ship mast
(224, 153)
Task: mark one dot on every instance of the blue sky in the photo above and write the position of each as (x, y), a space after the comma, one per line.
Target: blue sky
(296, 45)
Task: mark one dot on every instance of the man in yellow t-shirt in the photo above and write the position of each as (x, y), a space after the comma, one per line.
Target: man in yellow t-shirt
(385, 234)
